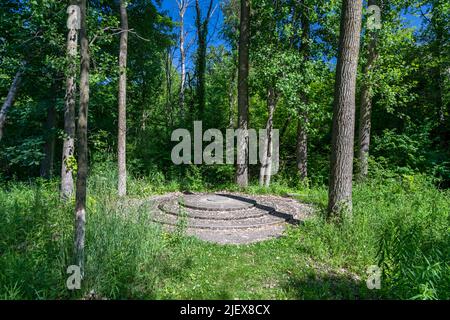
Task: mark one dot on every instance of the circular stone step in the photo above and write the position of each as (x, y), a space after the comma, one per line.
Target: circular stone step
(266, 220)
(239, 236)
(216, 202)
(226, 218)
(172, 207)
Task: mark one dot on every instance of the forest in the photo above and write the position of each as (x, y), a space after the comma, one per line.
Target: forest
(118, 181)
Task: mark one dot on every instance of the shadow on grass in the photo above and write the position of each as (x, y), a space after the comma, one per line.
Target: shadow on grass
(328, 286)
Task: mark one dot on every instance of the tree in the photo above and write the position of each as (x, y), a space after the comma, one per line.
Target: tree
(68, 159)
(10, 99)
(340, 184)
(266, 161)
(202, 32)
(182, 7)
(46, 170)
(80, 203)
(122, 130)
(366, 105)
(302, 122)
(244, 42)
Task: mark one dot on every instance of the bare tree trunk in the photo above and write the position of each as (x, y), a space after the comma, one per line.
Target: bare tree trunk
(202, 33)
(266, 161)
(366, 107)
(80, 206)
(10, 99)
(340, 188)
(46, 170)
(302, 122)
(302, 147)
(182, 7)
(122, 129)
(232, 98)
(68, 149)
(244, 41)
(168, 72)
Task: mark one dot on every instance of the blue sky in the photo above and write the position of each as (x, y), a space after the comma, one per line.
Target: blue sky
(214, 38)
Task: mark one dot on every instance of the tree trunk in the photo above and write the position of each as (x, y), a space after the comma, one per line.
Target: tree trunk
(232, 98)
(122, 130)
(302, 122)
(80, 207)
(68, 149)
(202, 33)
(302, 147)
(182, 6)
(366, 107)
(46, 170)
(266, 161)
(10, 99)
(340, 187)
(244, 40)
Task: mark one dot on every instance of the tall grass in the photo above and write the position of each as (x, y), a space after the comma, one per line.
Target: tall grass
(400, 223)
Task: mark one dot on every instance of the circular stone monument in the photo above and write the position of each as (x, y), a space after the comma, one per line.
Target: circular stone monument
(216, 202)
(228, 218)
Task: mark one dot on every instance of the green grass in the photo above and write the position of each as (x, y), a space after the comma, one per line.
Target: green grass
(399, 223)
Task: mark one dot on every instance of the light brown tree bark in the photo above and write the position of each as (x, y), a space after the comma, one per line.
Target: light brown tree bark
(182, 7)
(340, 184)
(122, 123)
(244, 42)
(266, 161)
(302, 147)
(302, 122)
(67, 184)
(10, 99)
(366, 106)
(80, 203)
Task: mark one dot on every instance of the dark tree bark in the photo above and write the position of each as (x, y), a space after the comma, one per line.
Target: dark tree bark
(46, 170)
(244, 41)
(67, 185)
(10, 99)
(122, 123)
(80, 206)
(202, 33)
(366, 106)
(340, 187)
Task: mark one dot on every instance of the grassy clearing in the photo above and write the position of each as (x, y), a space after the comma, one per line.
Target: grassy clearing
(401, 224)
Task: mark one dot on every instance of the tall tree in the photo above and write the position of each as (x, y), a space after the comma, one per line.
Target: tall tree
(302, 122)
(340, 184)
(266, 161)
(80, 205)
(244, 42)
(10, 99)
(366, 104)
(182, 7)
(201, 24)
(122, 130)
(68, 149)
(46, 169)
